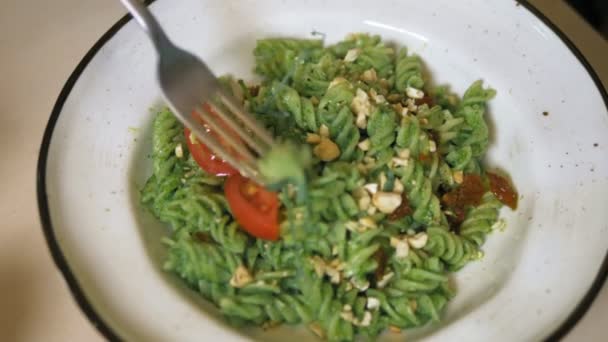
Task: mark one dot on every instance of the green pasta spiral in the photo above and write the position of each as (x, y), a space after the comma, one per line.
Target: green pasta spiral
(480, 219)
(412, 136)
(312, 79)
(408, 71)
(167, 133)
(451, 248)
(419, 188)
(379, 58)
(449, 129)
(194, 261)
(381, 130)
(472, 138)
(343, 131)
(277, 58)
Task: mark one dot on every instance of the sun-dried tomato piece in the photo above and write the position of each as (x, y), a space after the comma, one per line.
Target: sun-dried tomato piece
(503, 190)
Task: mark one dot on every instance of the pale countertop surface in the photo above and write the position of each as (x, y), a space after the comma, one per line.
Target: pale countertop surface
(41, 42)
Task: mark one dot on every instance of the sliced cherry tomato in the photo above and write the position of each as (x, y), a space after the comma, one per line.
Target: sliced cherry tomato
(206, 159)
(203, 155)
(254, 208)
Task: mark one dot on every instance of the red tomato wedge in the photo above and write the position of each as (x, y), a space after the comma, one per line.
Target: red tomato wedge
(206, 159)
(254, 208)
(203, 156)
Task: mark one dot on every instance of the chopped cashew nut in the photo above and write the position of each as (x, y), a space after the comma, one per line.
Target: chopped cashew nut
(318, 264)
(364, 145)
(404, 153)
(347, 316)
(411, 105)
(360, 103)
(371, 210)
(334, 275)
(324, 131)
(241, 277)
(179, 151)
(458, 177)
(369, 75)
(373, 303)
(402, 248)
(419, 240)
(351, 225)
(361, 286)
(432, 146)
(367, 222)
(379, 99)
(369, 160)
(363, 203)
(332, 269)
(361, 121)
(400, 161)
(326, 150)
(352, 55)
(398, 187)
(385, 279)
(383, 181)
(366, 320)
(313, 138)
(336, 81)
(414, 93)
(386, 202)
(372, 188)
(337, 264)
(404, 111)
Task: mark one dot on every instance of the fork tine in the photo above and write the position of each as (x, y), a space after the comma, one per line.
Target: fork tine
(240, 149)
(250, 122)
(238, 129)
(244, 168)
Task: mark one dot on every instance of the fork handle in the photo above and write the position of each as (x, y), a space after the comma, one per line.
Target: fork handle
(149, 24)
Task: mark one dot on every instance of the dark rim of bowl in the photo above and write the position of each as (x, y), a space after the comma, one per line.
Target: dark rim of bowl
(77, 292)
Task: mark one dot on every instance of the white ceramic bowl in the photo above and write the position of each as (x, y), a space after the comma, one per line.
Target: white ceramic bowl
(538, 277)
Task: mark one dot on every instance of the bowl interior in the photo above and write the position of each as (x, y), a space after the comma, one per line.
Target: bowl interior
(548, 122)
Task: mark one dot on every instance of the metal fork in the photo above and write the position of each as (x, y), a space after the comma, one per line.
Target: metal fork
(189, 86)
